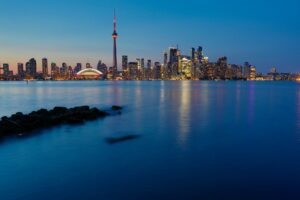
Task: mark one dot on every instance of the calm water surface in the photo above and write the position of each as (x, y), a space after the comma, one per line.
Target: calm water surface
(199, 140)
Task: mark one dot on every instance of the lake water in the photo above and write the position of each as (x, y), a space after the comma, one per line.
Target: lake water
(198, 140)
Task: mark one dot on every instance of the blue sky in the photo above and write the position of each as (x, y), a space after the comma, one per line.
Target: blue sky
(264, 33)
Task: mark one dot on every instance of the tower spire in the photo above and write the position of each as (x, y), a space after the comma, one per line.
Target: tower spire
(115, 21)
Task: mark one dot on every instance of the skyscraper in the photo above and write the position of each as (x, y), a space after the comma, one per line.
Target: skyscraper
(199, 54)
(165, 58)
(64, 69)
(173, 55)
(5, 69)
(247, 68)
(157, 70)
(54, 70)
(124, 63)
(102, 67)
(193, 54)
(78, 67)
(133, 70)
(149, 63)
(21, 70)
(31, 68)
(45, 67)
(115, 36)
(88, 66)
(138, 60)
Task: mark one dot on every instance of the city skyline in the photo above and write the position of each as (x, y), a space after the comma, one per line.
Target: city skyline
(267, 39)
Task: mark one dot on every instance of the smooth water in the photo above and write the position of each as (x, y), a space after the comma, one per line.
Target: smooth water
(199, 140)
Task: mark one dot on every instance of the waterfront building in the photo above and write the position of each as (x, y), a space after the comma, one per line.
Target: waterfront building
(185, 65)
(64, 69)
(21, 73)
(239, 72)
(54, 70)
(138, 60)
(273, 70)
(88, 66)
(209, 71)
(173, 55)
(165, 58)
(252, 73)
(230, 70)
(102, 67)
(70, 73)
(31, 67)
(45, 67)
(199, 55)
(142, 70)
(205, 59)
(142, 63)
(6, 70)
(124, 63)
(149, 64)
(125, 71)
(89, 74)
(157, 71)
(148, 70)
(247, 68)
(133, 70)
(193, 54)
(78, 67)
(221, 68)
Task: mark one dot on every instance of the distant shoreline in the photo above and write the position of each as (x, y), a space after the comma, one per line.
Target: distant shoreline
(226, 80)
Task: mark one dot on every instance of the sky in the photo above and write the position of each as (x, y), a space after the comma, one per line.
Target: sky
(264, 33)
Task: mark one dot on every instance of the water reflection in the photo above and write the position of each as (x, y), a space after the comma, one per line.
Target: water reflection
(204, 101)
(251, 102)
(237, 101)
(184, 108)
(298, 111)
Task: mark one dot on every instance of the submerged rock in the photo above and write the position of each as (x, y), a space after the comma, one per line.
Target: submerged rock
(20, 124)
(116, 108)
(114, 140)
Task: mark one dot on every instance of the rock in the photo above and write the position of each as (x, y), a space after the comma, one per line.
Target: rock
(9, 126)
(114, 140)
(81, 109)
(59, 110)
(116, 108)
(17, 116)
(42, 112)
(21, 124)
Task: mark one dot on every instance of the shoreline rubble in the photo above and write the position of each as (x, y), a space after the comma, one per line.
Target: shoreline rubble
(21, 124)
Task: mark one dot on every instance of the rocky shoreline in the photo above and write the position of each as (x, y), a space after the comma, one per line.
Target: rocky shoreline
(20, 124)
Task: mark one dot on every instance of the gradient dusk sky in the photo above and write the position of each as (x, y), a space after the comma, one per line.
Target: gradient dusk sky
(265, 33)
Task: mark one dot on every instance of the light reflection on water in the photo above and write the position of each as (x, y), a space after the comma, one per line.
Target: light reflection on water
(298, 111)
(251, 103)
(184, 120)
(199, 140)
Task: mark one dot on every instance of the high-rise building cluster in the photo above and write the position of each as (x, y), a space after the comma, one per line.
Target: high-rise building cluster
(195, 66)
(175, 66)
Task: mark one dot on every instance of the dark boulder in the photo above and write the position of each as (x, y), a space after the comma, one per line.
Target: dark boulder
(17, 116)
(114, 140)
(116, 108)
(59, 110)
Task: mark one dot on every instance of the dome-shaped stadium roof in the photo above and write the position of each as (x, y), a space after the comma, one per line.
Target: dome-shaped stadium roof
(89, 72)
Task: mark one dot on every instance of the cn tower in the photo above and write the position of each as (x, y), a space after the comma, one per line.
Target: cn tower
(115, 36)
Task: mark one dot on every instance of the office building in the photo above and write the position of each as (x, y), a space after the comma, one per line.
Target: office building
(45, 67)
